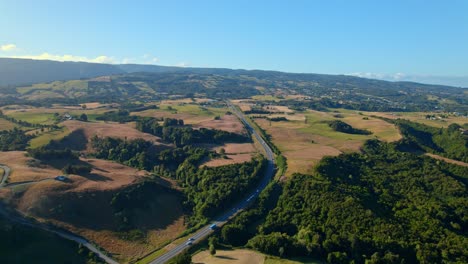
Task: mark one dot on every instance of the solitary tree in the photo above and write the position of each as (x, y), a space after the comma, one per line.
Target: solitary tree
(83, 117)
(212, 244)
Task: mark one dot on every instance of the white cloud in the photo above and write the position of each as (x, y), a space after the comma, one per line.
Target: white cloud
(67, 57)
(8, 47)
(460, 81)
(148, 59)
(183, 64)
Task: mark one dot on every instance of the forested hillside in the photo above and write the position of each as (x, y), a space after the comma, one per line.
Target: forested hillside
(207, 191)
(152, 82)
(22, 244)
(381, 206)
(450, 142)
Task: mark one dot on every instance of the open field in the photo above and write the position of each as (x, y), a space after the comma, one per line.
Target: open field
(22, 171)
(196, 115)
(46, 137)
(305, 138)
(109, 129)
(456, 162)
(45, 116)
(32, 116)
(235, 153)
(6, 125)
(57, 89)
(239, 256)
(242, 256)
(420, 117)
(230, 159)
(228, 123)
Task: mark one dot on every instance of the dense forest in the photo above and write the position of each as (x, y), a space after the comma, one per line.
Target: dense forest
(207, 190)
(173, 131)
(450, 142)
(23, 244)
(13, 140)
(378, 206)
(212, 190)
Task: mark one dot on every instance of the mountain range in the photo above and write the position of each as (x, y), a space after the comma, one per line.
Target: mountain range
(15, 72)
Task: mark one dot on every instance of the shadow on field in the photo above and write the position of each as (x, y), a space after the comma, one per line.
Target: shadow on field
(140, 206)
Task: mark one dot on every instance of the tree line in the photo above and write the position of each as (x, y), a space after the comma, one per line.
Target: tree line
(174, 131)
(14, 139)
(378, 206)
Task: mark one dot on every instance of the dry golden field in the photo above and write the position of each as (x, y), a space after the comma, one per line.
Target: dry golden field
(304, 139)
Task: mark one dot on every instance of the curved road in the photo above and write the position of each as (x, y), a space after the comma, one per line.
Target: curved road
(206, 231)
(6, 174)
(21, 220)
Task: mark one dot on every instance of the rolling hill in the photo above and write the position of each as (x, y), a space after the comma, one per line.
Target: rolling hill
(151, 82)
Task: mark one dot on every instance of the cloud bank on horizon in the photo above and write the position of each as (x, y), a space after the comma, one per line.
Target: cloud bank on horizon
(457, 81)
(7, 50)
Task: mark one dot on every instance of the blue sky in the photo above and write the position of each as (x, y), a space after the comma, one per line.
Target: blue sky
(383, 39)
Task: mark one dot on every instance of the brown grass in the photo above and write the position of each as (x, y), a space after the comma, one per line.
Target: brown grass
(83, 204)
(229, 123)
(6, 125)
(297, 146)
(456, 162)
(237, 148)
(238, 256)
(110, 129)
(305, 143)
(21, 171)
(278, 108)
(420, 117)
(88, 213)
(235, 153)
(231, 159)
(188, 118)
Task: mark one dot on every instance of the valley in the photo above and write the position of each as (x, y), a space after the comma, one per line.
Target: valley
(149, 160)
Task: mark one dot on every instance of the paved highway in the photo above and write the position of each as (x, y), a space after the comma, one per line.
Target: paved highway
(207, 230)
(6, 174)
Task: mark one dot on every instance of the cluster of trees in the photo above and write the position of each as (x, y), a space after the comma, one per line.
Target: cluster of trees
(137, 107)
(208, 190)
(134, 153)
(44, 153)
(449, 142)
(343, 127)
(125, 202)
(244, 226)
(212, 190)
(14, 139)
(278, 119)
(21, 244)
(173, 131)
(381, 206)
(78, 169)
(140, 154)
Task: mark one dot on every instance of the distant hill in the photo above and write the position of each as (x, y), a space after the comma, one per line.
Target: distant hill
(25, 71)
(153, 82)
